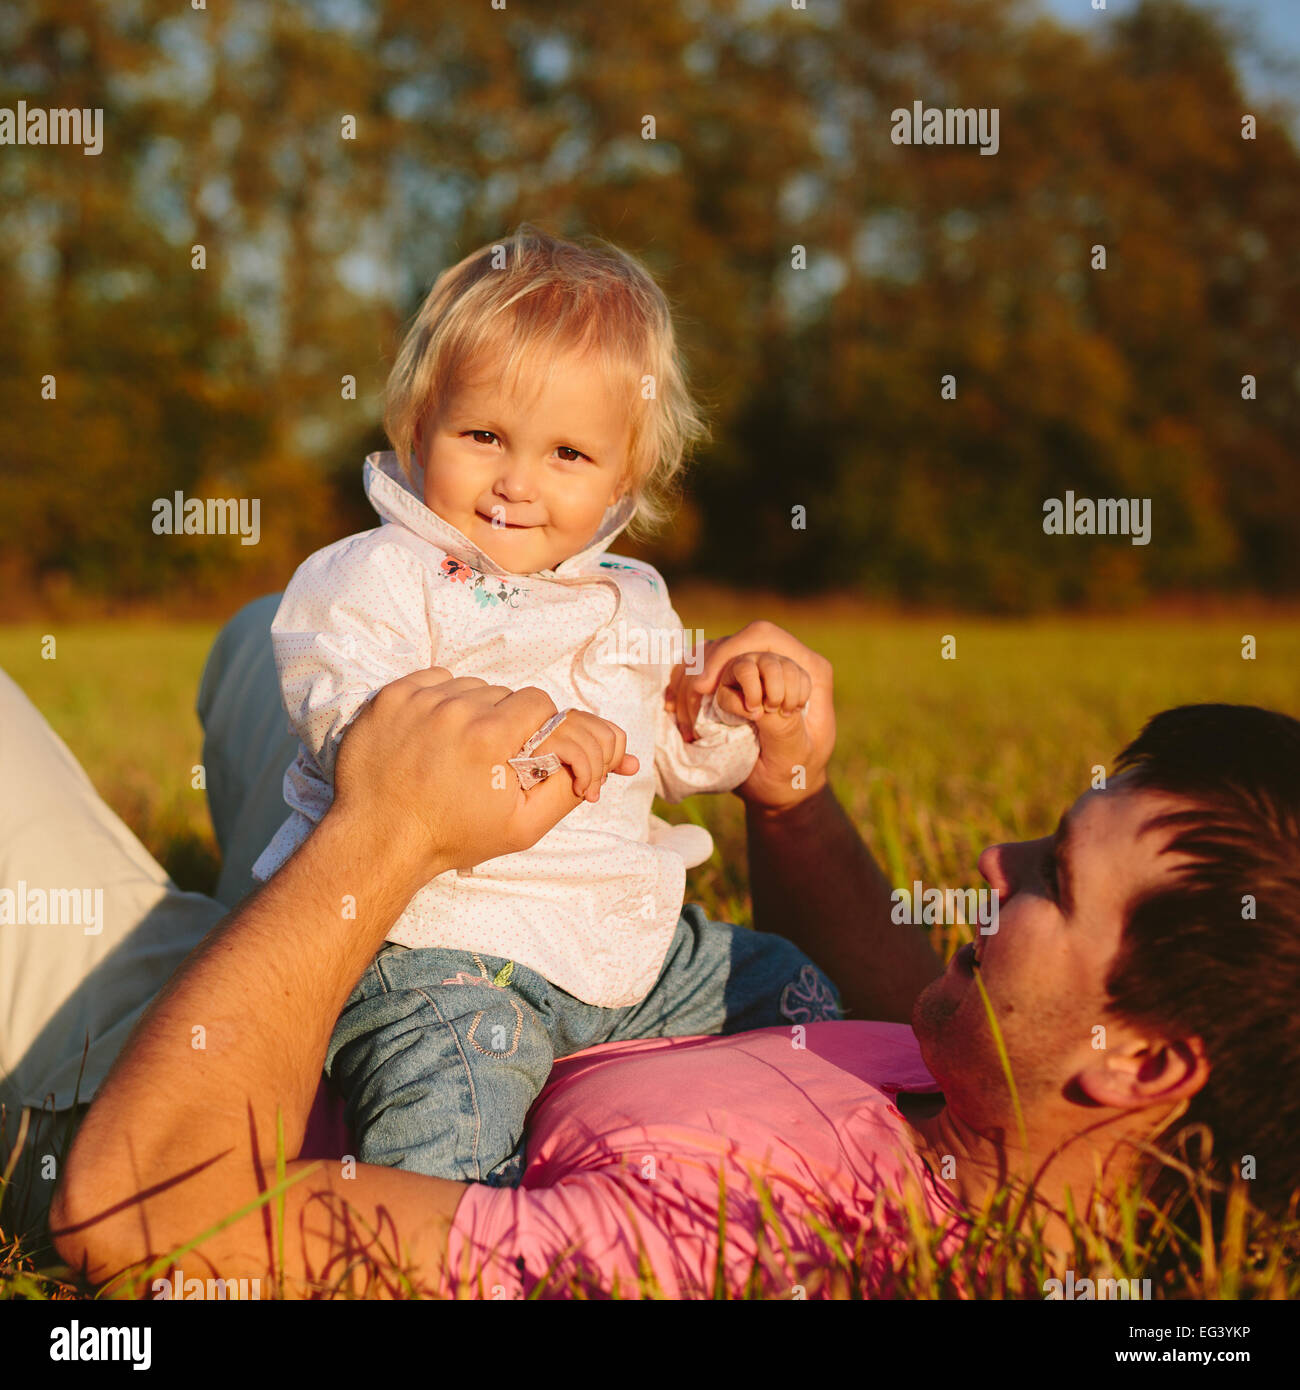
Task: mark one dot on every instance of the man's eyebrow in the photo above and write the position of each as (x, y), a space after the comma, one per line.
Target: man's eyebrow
(1061, 857)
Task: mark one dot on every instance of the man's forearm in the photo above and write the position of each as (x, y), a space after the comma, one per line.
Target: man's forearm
(180, 1146)
(184, 1132)
(813, 880)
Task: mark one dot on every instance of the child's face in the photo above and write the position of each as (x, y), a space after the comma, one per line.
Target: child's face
(527, 475)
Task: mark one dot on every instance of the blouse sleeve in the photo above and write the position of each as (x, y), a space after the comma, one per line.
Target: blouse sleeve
(719, 759)
(353, 619)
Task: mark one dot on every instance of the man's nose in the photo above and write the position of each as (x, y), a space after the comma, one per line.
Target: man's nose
(996, 866)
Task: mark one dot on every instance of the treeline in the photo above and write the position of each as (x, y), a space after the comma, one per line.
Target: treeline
(907, 349)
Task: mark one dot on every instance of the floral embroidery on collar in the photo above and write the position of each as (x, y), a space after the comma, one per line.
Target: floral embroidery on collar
(486, 590)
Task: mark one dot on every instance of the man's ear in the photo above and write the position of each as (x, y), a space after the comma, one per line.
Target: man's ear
(1146, 1072)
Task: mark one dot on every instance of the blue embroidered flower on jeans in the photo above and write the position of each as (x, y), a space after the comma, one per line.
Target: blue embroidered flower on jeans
(809, 998)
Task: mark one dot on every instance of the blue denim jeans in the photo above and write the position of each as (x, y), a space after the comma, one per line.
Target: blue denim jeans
(439, 1054)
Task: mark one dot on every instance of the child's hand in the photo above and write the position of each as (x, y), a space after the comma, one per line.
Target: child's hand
(767, 689)
(591, 748)
(807, 741)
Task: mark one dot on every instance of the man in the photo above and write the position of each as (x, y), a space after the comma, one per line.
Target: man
(1144, 976)
(180, 1138)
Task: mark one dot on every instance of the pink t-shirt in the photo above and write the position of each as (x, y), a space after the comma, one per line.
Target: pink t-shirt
(628, 1145)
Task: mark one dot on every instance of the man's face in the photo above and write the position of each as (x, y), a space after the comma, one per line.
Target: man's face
(527, 474)
(1062, 904)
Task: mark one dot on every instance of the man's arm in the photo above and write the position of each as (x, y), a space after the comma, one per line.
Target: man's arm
(183, 1132)
(813, 880)
(811, 877)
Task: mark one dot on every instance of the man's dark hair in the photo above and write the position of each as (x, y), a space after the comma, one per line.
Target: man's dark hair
(1217, 953)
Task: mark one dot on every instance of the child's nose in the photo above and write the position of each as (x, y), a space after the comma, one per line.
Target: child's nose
(515, 483)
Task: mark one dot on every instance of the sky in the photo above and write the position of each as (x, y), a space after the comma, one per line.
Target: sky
(1277, 23)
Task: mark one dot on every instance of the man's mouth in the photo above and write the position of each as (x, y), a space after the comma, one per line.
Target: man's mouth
(968, 958)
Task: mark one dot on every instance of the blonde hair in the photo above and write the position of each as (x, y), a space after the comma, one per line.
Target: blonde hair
(534, 296)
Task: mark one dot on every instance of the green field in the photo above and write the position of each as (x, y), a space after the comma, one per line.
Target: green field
(936, 759)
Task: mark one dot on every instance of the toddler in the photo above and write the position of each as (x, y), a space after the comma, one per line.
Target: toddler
(537, 408)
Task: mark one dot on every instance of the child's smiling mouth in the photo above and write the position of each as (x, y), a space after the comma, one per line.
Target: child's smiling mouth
(501, 525)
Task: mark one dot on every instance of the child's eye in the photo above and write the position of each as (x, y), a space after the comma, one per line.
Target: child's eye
(565, 449)
(489, 437)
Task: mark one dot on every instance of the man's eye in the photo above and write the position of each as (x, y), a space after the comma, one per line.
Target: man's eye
(1049, 873)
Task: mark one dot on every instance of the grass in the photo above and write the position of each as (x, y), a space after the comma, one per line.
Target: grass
(121, 695)
(936, 759)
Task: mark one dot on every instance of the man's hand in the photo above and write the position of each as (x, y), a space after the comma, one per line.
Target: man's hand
(804, 742)
(423, 775)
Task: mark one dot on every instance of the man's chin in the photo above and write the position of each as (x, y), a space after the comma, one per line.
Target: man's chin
(941, 1033)
(934, 1007)
(958, 1049)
